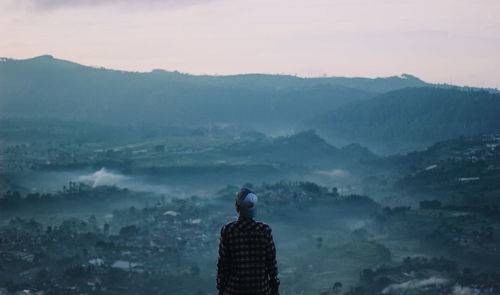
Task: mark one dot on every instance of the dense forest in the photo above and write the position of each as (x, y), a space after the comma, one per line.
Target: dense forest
(412, 117)
(44, 87)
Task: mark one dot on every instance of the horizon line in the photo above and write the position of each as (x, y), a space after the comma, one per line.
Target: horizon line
(325, 76)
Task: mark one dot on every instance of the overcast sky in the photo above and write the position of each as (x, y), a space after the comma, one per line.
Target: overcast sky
(446, 41)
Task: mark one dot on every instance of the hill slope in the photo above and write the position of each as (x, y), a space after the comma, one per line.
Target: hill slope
(44, 87)
(410, 118)
(305, 149)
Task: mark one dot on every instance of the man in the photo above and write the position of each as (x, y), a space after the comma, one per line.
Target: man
(247, 255)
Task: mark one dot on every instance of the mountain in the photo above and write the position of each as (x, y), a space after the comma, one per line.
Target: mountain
(411, 118)
(49, 88)
(373, 85)
(304, 148)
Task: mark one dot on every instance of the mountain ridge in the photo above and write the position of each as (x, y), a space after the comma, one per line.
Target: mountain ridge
(410, 116)
(355, 82)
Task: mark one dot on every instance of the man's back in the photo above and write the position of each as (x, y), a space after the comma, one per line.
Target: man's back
(247, 259)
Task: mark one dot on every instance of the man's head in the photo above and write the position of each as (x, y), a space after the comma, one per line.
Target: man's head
(246, 203)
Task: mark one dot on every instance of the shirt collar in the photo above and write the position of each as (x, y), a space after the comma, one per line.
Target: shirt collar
(244, 218)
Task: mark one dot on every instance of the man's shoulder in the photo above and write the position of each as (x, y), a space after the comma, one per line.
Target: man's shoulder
(235, 225)
(263, 226)
(229, 225)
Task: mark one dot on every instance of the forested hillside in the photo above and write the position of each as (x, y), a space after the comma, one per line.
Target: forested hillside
(45, 87)
(411, 118)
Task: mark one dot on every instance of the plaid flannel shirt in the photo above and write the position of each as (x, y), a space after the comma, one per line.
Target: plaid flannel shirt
(247, 259)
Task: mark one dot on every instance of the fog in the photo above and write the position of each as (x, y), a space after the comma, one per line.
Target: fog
(120, 182)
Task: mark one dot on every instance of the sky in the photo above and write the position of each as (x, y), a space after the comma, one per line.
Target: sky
(440, 41)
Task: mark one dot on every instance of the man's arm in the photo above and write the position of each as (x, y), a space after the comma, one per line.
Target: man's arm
(272, 265)
(222, 263)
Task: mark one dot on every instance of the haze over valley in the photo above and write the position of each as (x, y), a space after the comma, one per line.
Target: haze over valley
(116, 182)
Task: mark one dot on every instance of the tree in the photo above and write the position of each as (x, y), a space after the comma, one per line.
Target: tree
(337, 287)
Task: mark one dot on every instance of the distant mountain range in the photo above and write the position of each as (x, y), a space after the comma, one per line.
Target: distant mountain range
(395, 112)
(45, 87)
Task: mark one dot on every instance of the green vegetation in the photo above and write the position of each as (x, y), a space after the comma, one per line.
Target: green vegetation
(118, 183)
(411, 118)
(170, 243)
(49, 88)
(317, 270)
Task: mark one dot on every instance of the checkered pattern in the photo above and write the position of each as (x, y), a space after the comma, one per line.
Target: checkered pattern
(247, 259)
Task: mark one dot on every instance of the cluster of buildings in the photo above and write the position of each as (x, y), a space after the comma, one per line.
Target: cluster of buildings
(486, 149)
(80, 257)
(24, 157)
